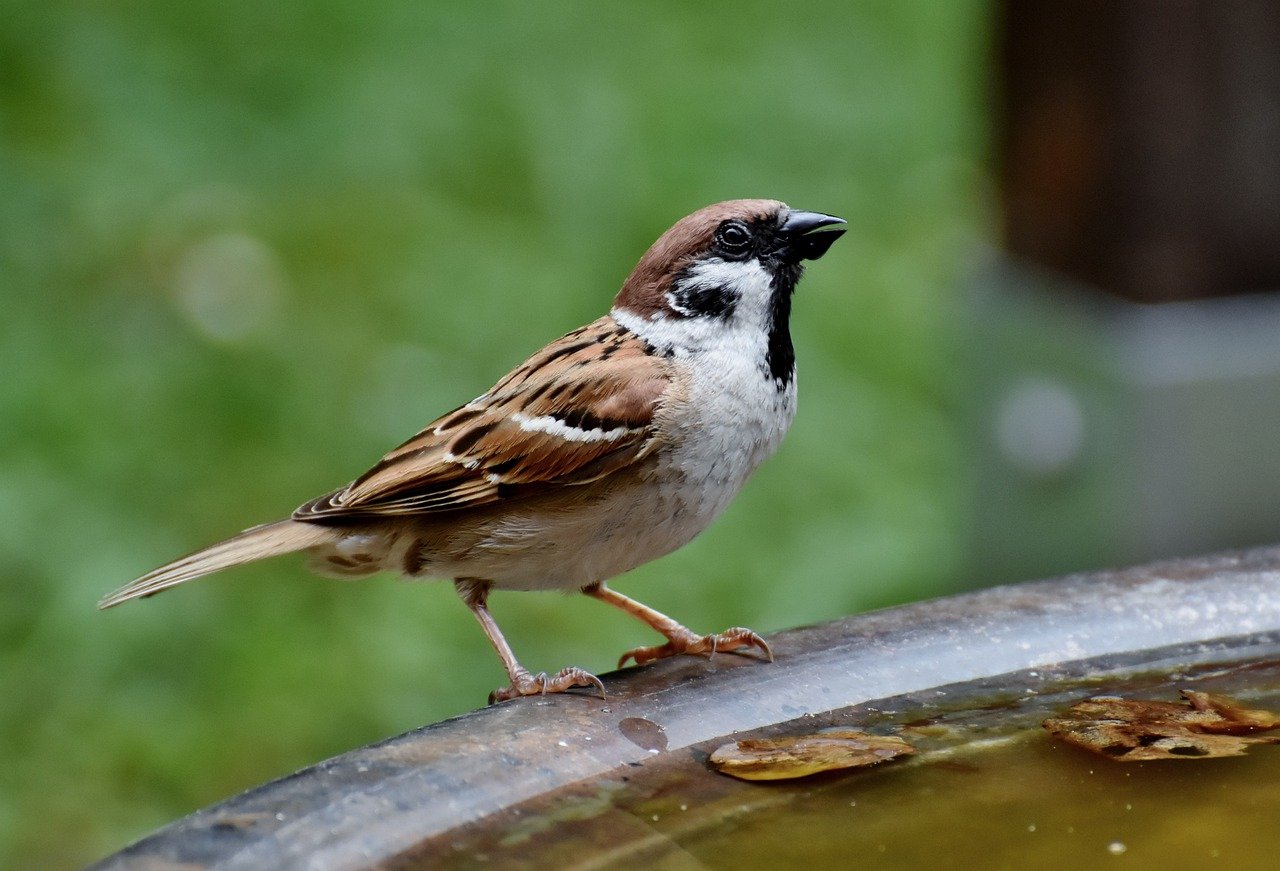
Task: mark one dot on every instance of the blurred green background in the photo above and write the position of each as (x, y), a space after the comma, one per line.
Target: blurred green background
(245, 248)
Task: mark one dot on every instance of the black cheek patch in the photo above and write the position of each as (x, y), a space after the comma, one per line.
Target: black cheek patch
(702, 300)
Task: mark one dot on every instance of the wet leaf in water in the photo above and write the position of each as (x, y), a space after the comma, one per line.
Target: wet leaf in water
(1208, 726)
(802, 755)
(1229, 717)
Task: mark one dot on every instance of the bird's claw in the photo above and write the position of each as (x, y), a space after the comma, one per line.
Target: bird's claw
(525, 684)
(737, 640)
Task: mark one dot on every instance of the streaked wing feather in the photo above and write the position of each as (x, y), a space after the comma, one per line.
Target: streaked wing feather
(580, 409)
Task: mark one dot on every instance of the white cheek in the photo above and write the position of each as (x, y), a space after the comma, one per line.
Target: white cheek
(747, 280)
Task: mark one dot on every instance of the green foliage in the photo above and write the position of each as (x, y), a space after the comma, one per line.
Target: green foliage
(247, 247)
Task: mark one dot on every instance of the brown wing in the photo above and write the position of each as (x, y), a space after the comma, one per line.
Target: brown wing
(578, 410)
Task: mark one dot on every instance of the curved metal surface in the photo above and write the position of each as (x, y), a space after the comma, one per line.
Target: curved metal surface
(370, 805)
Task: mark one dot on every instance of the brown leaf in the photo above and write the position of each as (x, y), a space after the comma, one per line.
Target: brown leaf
(1235, 720)
(1136, 730)
(802, 755)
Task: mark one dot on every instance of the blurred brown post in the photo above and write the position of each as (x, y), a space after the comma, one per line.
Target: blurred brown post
(1126, 355)
(1139, 143)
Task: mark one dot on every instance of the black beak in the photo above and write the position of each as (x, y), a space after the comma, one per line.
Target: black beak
(801, 240)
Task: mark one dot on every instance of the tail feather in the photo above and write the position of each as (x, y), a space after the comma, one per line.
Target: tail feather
(260, 542)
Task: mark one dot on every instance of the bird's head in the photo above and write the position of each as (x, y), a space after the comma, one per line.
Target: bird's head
(727, 269)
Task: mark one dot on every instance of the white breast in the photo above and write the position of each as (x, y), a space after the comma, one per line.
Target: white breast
(735, 418)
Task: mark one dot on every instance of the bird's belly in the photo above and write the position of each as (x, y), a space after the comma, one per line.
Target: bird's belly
(549, 546)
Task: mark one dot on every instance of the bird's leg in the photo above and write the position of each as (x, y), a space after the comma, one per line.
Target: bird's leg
(475, 595)
(679, 639)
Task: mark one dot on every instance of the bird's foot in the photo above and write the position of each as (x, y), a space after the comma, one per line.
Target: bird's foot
(525, 684)
(736, 640)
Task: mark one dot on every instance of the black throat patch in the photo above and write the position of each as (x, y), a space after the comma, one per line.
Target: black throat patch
(780, 356)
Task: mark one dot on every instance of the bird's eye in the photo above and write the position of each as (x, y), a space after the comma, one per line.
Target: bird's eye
(733, 237)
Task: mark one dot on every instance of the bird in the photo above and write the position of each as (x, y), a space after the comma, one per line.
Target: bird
(613, 445)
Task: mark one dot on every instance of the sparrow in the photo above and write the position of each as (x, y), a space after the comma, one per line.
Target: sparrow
(612, 446)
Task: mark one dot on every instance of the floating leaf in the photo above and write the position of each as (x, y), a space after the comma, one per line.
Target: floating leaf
(1208, 726)
(802, 755)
